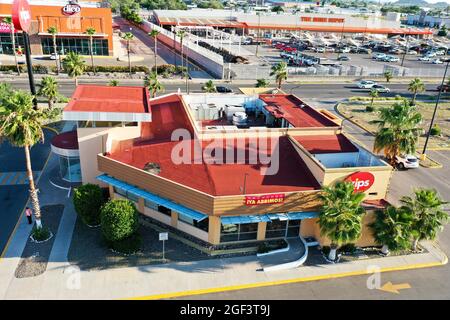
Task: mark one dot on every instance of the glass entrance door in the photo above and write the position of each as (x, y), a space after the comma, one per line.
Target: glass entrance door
(293, 228)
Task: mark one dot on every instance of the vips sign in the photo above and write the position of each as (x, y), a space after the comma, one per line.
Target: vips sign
(266, 199)
(71, 9)
(21, 15)
(362, 181)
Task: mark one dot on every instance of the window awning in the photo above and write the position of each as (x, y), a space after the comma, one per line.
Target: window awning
(185, 211)
(245, 219)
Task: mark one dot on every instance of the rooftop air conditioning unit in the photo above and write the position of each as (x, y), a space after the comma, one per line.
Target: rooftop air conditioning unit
(240, 118)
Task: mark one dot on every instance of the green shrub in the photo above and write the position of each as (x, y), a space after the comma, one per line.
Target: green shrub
(40, 234)
(349, 248)
(37, 68)
(370, 108)
(435, 130)
(88, 200)
(169, 69)
(128, 245)
(119, 220)
(263, 248)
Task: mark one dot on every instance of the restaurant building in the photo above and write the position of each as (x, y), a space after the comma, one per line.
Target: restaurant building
(221, 168)
(71, 18)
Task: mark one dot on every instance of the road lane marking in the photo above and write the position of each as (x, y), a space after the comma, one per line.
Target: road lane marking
(393, 288)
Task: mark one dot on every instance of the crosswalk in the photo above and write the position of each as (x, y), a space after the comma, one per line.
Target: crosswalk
(15, 178)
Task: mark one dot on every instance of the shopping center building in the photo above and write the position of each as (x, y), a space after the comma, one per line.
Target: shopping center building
(222, 168)
(71, 18)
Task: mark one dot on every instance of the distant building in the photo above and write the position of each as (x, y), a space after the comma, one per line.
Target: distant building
(425, 20)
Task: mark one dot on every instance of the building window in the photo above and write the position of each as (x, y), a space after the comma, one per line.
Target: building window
(202, 225)
(70, 169)
(6, 43)
(151, 205)
(132, 197)
(165, 210)
(120, 191)
(78, 45)
(238, 232)
(276, 229)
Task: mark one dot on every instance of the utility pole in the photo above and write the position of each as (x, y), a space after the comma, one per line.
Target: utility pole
(406, 50)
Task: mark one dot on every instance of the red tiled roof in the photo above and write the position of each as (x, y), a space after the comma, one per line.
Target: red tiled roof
(288, 107)
(224, 179)
(98, 98)
(335, 143)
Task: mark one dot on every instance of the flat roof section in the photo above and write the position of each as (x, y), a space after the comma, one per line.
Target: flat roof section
(336, 143)
(108, 103)
(228, 178)
(295, 111)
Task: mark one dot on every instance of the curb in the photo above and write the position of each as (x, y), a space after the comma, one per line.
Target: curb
(289, 281)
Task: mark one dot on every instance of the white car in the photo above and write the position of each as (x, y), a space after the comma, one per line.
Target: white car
(366, 84)
(424, 58)
(380, 88)
(407, 161)
(379, 56)
(54, 56)
(413, 52)
(440, 53)
(319, 49)
(430, 54)
(437, 61)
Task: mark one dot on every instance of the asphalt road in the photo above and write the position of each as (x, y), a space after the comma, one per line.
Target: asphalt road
(13, 182)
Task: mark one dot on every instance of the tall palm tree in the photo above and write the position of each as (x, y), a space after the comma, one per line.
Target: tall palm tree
(392, 228)
(373, 94)
(341, 215)
(49, 89)
(8, 20)
(154, 33)
(209, 87)
(388, 75)
(415, 86)
(128, 36)
(152, 83)
(54, 31)
(74, 65)
(280, 72)
(181, 34)
(22, 125)
(261, 83)
(91, 32)
(398, 130)
(429, 217)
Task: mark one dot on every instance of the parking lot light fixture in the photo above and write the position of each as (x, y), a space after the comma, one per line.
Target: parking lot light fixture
(424, 156)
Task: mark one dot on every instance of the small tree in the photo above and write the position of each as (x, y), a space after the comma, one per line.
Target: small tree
(388, 75)
(88, 200)
(415, 86)
(54, 31)
(128, 36)
(91, 32)
(261, 83)
(49, 89)
(154, 33)
(113, 83)
(209, 87)
(341, 215)
(74, 65)
(280, 72)
(373, 94)
(152, 83)
(392, 228)
(119, 221)
(429, 217)
(8, 20)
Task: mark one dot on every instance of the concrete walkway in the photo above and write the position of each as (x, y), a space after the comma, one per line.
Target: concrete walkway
(295, 252)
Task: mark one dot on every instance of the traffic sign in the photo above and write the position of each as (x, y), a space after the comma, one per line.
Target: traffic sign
(21, 15)
(163, 236)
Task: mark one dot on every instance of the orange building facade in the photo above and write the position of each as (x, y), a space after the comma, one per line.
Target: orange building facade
(71, 21)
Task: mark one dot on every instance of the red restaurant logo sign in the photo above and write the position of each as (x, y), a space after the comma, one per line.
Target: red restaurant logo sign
(322, 19)
(362, 181)
(70, 9)
(21, 15)
(266, 199)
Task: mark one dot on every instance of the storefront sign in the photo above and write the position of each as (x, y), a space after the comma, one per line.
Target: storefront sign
(21, 15)
(70, 9)
(322, 19)
(266, 199)
(362, 181)
(5, 27)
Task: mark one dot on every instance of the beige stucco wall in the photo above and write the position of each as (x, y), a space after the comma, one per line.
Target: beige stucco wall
(92, 141)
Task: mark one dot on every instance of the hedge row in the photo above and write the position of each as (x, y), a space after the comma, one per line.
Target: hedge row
(41, 69)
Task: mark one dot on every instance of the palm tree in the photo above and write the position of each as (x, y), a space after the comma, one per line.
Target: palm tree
(54, 31)
(373, 94)
(388, 75)
(154, 33)
(398, 130)
(429, 216)
(90, 32)
(49, 89)
(22, 125)
(209, 87)
(74, 65)
(392, 228)
(261, 83)
(113, 83)
(415, 86)
(152, 83)
(181, 34)
(280, 72)
(341, 215)
(128, 36)
(8, 20)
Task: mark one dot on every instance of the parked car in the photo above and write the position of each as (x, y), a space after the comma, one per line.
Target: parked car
(390, 59)
(407, 161)
(343, 58)
(412, 52)
(329, 49)
(430, 54)
(223, 89)
(424, 58)
(378, 56)
(380, 88)
(319, 49)
(440, 53)
(366, 84)
(437, 61)
(54, 56)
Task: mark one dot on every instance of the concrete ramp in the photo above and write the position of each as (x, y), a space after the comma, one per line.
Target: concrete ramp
(291, 257)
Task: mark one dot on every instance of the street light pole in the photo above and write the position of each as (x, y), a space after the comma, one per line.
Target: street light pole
(26, 41)
(435, 110)
(259, 35)
(406, 49)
